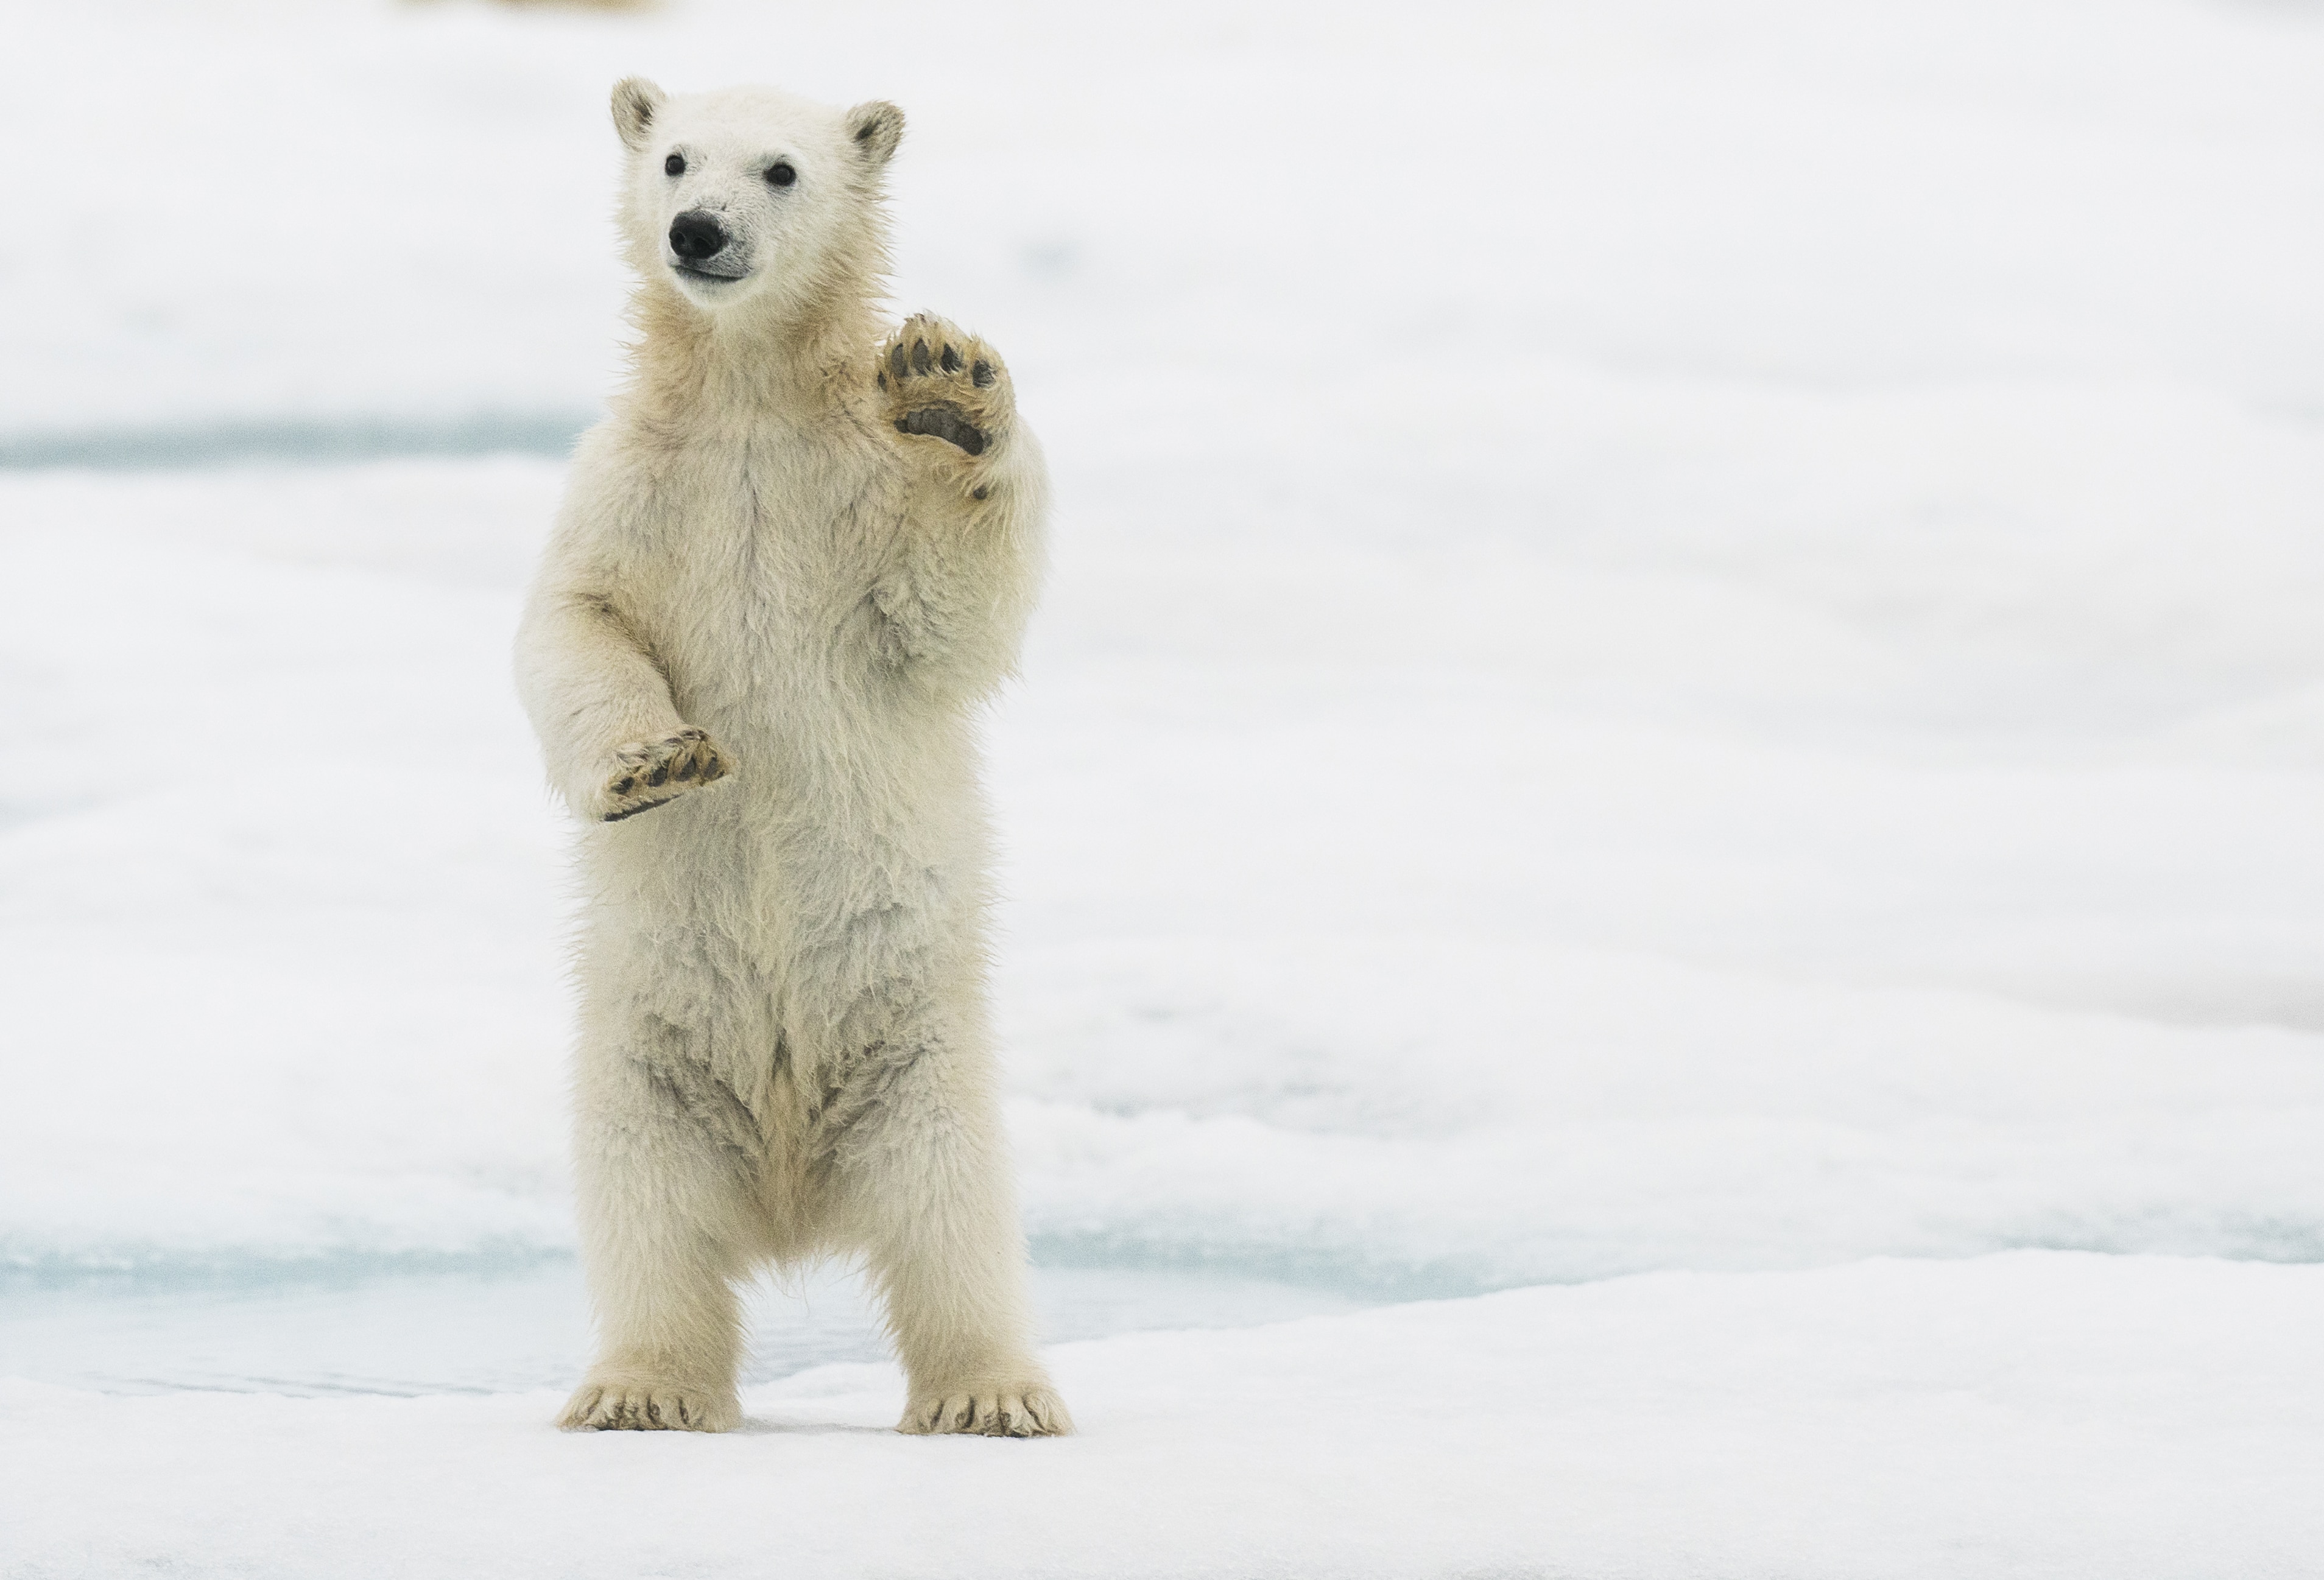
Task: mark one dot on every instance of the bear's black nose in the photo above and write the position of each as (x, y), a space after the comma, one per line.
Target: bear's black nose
(697, 234)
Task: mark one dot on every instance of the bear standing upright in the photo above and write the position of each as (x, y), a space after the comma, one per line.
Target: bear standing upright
(789, 569)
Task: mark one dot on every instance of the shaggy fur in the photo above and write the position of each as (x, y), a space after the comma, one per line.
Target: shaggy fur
(789, 569)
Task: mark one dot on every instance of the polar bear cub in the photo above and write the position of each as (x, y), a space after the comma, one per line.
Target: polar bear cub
(789, 567)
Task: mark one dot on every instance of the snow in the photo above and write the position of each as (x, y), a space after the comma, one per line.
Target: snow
(2032, 1413)
(1682, 683)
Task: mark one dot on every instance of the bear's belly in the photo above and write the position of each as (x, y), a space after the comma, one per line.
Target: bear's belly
(848, 825)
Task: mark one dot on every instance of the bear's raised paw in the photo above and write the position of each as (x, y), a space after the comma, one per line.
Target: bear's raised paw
(937, 382)
(647, 774)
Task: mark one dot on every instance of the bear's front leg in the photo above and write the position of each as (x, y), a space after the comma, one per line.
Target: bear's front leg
(954, 601)
(615, 743)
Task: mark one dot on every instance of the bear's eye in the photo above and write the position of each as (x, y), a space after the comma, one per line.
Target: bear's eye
(675, 165)
(781, 174)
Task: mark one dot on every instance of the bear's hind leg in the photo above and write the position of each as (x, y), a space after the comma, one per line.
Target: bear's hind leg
(666, 1195)
(922, 1182)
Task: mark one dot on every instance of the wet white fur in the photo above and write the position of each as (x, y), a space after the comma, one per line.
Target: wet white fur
(784, 1050)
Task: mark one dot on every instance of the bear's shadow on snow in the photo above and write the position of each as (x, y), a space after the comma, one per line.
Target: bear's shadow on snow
(761, 1427)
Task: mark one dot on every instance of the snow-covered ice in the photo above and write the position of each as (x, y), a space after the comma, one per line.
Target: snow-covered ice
(2037, 1414)
(1679, 739)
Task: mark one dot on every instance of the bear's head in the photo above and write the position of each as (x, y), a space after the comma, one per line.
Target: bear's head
(748, 195)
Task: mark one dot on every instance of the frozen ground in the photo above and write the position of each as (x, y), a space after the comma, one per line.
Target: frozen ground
(1684, 645)
(2032, 1414)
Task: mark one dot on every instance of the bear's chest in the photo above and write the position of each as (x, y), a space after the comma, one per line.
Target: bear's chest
(753, 595)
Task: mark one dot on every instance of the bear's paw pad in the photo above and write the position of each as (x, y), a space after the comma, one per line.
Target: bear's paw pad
(941, 383)
(1030, 1412)
(647, 774)
(648, 1407)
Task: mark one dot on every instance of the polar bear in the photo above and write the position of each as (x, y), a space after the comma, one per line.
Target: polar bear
(789, 569)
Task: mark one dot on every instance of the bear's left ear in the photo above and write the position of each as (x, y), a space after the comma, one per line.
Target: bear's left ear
(876, 128)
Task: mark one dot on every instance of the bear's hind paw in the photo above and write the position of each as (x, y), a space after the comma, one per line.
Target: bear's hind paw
(648, 1407)
(1033, 1412)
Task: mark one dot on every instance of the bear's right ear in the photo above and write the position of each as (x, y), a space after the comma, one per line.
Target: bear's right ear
(635, 100)
(876, 128)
